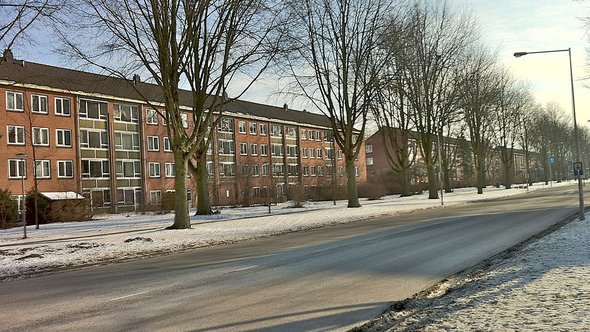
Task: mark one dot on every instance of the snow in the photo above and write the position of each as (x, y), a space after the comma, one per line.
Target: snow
(543, 286)
(61, 195)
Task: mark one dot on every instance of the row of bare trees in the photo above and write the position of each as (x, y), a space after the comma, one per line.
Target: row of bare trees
(441, 83)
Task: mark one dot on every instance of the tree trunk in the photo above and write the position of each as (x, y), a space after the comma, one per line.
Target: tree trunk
(507, 175)
(181, 217)
(203, 200)
(432, 181)
(447, 181)
(481, 178)
(351, 189)
(405, 183)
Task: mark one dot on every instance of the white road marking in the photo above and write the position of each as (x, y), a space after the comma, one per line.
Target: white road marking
(127, 296)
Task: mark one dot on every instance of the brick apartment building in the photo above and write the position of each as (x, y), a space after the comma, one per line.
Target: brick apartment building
(379, 170)
(96, 135)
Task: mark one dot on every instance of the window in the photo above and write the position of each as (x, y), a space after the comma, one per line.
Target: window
(210, 168)
(320, 171)
(275, 130)
(126, 113)
(16, 135)
(14, 101)
(263, 129)
(255, 170)
(369, 161)
(243, 149)
(277, 169)
(126, 196)
(318, 135)
(39, 104)
(184, 118)
(17, 168)
(93, 109)
(291, 151)
(63, 137)
(265, 170)
(319, 153)
(153, 143)
(40, 136)
(276, 150)
(152, 117)
(95, 168)
(290, 132)
(341, 170)
(167, 146)
(155, 197)
(226, 147)
(65, 169)
(245, 170)
(339, 154)
(253, 127)
(312, 171)
(164, 118)
(42, 169)
(356, 170)
(293, 170)
(305, 152)
(63, 106)
(305, 170)
(264, 149)
(94, 139)
(303, 134)
(169, 169)
(254, 149)
(225, 125)
(369, 148)
(311, 135)
(242, 127)
(312, 153)
(154, 169)
(127, 141)
(227, 169)
(128, 168)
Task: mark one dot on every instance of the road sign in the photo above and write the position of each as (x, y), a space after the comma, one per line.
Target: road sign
(578, 169)
(552, 160)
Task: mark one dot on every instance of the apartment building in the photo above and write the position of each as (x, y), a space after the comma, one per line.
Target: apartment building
(96, 135)
(458, 151)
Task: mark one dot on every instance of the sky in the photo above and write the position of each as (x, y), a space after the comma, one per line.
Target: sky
(506, 25)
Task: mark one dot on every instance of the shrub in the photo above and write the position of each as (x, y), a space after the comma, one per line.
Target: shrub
(43, 209)
(8, 209)
(297, 196)
(371, 190)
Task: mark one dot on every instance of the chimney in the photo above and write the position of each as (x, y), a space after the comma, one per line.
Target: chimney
(285, 107)
(136, 79)
(7, 56)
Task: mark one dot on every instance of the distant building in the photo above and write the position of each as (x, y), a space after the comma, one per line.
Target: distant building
(96, 135)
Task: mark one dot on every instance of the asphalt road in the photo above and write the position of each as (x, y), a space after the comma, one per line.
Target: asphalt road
(332, 278)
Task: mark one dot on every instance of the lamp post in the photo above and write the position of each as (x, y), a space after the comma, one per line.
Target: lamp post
(569, 52)
(22, 160)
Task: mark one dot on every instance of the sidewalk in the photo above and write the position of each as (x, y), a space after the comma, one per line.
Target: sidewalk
(123, 237)
(545, 286)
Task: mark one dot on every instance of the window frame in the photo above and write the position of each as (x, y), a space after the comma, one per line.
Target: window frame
(21, 168)
(64, 163)
(43, 163)
(169, 170)
(151, 116)
(153, 143)
(39, 98)
(154, 174)
(17, 128)
(61, 133)
(15, 101)
(60, 101)
(37, 133)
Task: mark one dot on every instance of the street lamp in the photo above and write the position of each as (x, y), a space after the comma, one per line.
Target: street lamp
(569, 52)
(22, 161)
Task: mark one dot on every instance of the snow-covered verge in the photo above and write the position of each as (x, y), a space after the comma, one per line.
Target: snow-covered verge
(542, 286)
(121, 237)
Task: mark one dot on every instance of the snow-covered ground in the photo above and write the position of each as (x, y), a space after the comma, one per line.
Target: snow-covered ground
(119, 237)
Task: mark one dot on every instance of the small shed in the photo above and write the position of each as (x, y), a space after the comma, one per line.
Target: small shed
(66, 206)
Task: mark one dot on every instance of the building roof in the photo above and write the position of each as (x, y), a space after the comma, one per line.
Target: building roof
(77, 82)
(61, 195)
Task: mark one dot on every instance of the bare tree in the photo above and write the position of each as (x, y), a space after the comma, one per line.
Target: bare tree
(203, 43)
(227, 38)
(432, 45)
(16, 17)
(336, 64)
(478, 96)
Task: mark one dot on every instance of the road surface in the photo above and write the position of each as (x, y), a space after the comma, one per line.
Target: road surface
(332, 278)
